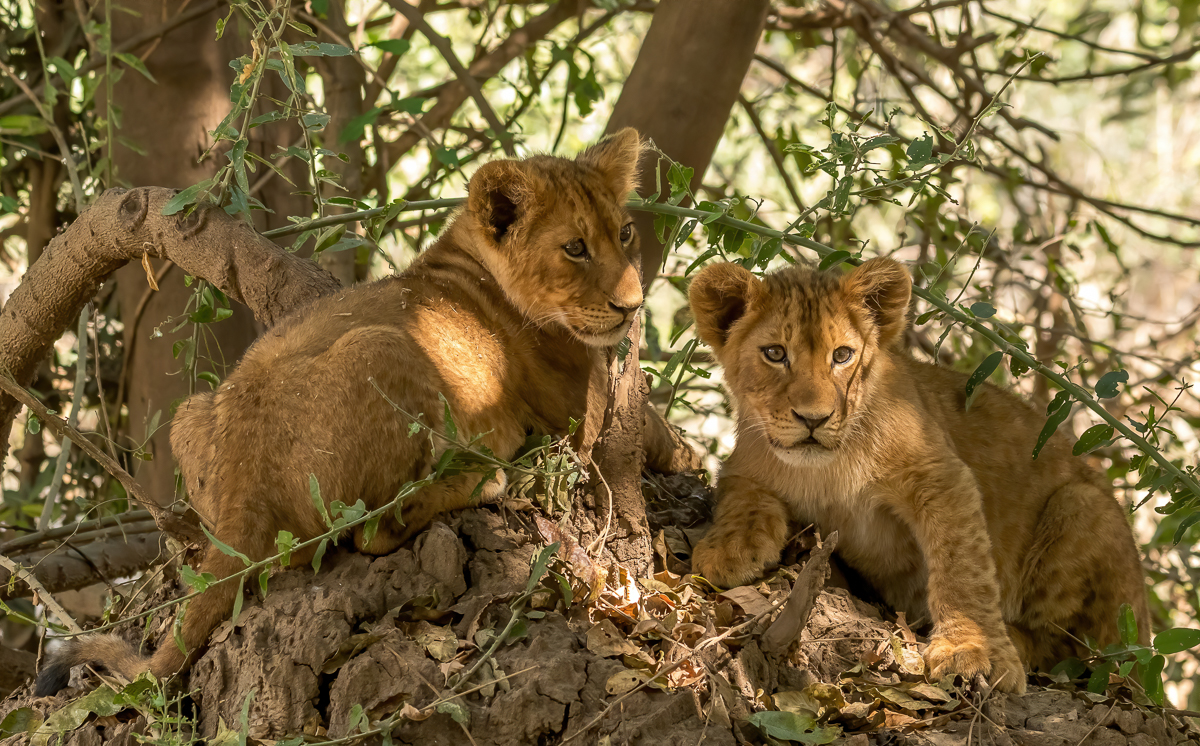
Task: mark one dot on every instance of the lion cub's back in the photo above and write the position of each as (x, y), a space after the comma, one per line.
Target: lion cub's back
(996, 437)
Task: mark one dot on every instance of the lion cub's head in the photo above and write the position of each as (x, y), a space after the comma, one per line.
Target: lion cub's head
(557, 236)
(798, 346)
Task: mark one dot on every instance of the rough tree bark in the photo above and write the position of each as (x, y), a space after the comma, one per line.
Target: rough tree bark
(682, 88)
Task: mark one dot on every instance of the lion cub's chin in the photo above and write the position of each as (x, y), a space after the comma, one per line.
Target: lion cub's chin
(807, 455)
(602, 339)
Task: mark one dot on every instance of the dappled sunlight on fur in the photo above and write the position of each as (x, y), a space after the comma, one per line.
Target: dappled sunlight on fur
(502, 316)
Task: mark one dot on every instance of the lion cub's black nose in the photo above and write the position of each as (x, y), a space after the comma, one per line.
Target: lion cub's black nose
(623, 308)
(812, 422)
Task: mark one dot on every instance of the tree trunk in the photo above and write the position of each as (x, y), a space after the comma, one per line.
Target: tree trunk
(682, 88)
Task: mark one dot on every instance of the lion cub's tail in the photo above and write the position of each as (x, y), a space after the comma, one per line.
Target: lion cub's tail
(109, 651)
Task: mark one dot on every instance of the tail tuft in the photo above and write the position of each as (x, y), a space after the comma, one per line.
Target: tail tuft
(104, 651)
(53, 678)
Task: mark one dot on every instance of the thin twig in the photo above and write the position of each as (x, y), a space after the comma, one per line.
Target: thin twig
(166, 520)
(43, 595)
(416, 19)
(64, 453)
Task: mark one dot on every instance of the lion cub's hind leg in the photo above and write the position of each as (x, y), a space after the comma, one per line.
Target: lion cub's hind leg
(1082, 566)
(447, 494)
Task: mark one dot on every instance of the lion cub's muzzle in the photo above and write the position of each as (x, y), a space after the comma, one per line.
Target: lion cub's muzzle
(802, 437)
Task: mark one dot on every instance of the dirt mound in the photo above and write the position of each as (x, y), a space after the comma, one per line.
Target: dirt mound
(387, 640)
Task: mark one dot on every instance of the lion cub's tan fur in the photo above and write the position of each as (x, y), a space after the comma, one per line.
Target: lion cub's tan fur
(942, 509)
(497, 316)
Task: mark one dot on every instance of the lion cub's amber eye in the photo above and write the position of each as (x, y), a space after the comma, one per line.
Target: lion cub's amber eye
(842, 355)
(575, 248)
(626, 232)
(775, 353)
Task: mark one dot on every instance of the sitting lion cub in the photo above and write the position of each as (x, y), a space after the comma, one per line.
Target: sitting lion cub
(940, 508)
(497, 316)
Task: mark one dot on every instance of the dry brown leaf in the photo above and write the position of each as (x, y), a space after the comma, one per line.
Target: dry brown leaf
(149, 271)
(606, 640)
(411, 713)
(752, 602)
(624, 681)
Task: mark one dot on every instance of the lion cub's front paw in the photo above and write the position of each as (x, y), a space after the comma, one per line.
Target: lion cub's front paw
(973, 654)
(730, 559)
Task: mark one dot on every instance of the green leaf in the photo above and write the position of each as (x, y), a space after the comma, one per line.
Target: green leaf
(320, 554)
(450, 428)
(319, 49)
(459, 713)
(878, 141)
(263, 578)
(238, 599)
(284, 543)
(1059, 410)
(1187, 522)
(355, 128)
(413, 105)
(1099, 680)
(8, 204)
(1175, 640)
(539, 566)
(983, 310)
(209, 377)
(25, 125)
(197, 581)
(1094, 437)
(833, 259)
(1072, 667)
(793, 726)
(985, 369)
(314, 121)
(225, 548)
(134, 62)
(920, 151)
(314, 493)
(1152, 679)
(20, 720)
(1127, 625)
(1107, 386)
(391, 46)
(187, 197)
(446, 156)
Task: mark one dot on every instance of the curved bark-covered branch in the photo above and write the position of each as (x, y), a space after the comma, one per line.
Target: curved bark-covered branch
(66, 569)
(123, 226)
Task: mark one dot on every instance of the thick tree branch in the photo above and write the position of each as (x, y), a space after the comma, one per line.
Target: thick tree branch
(65, 569)
(123, 226)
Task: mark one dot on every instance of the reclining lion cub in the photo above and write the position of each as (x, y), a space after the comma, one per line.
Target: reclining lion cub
(497, 316)
(940, 508)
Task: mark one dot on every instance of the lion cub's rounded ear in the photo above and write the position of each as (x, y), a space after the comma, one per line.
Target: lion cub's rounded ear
(719, 296)
(497, 195)
(884, 287)
(616, 158)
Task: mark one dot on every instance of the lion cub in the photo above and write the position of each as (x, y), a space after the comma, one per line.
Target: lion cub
(499, 317)
(940, 508)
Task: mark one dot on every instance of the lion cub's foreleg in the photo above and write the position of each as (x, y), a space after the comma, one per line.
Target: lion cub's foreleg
(943, 506)
(748, 533)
